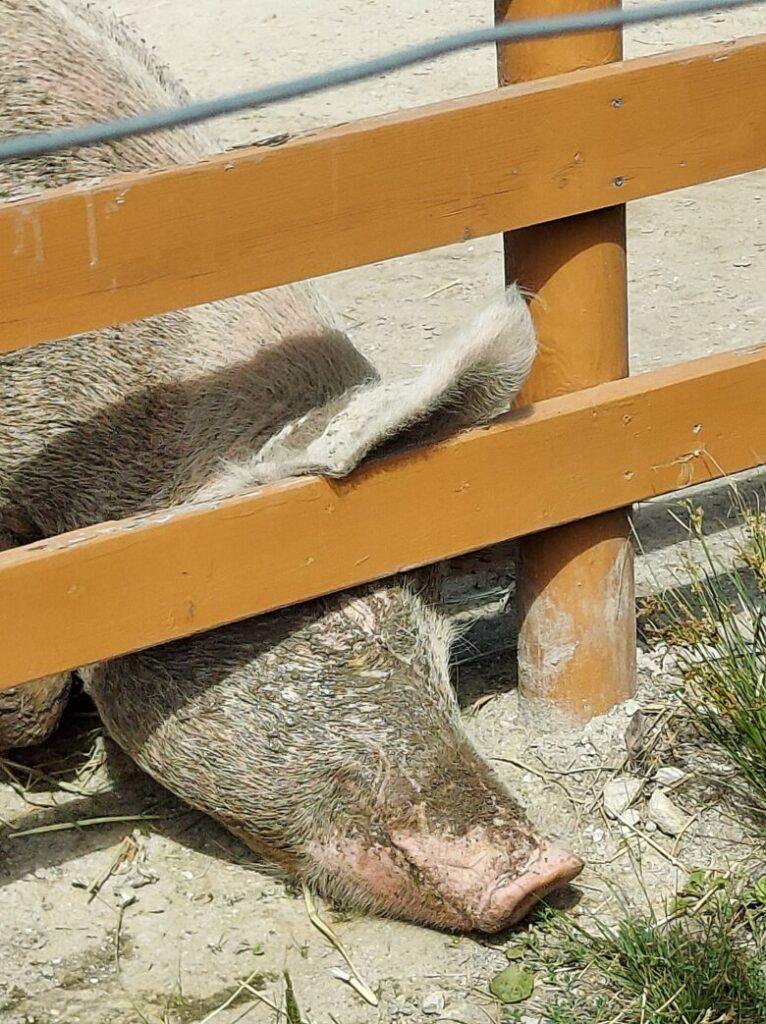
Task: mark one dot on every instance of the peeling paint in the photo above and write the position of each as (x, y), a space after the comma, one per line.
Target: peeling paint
(28, 225)
(552, 655)
(117, 201)
(18, 248)
(92, 231)
(37, 239)
(596, 631)
(87, 184)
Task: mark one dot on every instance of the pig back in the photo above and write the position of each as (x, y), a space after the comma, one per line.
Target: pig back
(137, 416)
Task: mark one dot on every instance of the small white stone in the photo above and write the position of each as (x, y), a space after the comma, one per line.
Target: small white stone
(125, 897)
(433, 1003)
(631, 818)
(701, 653)
(669, 776)
(619, 794)
(666, 816)
(648, 662)
(598, 835)
(668, 660)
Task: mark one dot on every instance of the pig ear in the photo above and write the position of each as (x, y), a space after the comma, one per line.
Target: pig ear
(472, 380)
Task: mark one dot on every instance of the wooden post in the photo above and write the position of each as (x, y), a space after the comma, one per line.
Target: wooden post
(577, 641)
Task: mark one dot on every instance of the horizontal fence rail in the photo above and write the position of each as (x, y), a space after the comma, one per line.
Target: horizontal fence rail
(118, 587)
(82, 258)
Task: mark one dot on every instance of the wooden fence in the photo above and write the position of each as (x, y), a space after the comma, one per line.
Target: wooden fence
(537, 152)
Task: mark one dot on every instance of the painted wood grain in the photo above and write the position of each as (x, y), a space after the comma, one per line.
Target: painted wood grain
(125, 248)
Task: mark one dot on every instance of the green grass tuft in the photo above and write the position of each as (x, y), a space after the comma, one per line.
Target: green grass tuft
(716, 627)
(703, 965)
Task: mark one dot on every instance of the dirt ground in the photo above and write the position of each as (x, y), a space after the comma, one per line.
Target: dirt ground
(186, 915)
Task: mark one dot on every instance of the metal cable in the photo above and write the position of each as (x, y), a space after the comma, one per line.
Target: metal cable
(37, 144)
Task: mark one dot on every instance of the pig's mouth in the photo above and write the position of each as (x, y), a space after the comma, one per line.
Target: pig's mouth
(460, 883)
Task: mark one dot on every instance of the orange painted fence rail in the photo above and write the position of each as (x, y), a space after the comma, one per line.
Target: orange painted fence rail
(77, 259)
(137, 245)
(113, 588)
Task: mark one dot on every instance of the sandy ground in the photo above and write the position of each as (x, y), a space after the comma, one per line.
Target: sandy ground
(187, 914)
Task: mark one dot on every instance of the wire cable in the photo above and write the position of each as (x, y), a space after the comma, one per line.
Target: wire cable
(38, 144)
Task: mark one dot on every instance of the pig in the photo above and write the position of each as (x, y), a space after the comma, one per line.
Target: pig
(327, 736)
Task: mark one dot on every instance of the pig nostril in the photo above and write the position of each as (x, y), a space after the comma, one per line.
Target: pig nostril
(512, 898)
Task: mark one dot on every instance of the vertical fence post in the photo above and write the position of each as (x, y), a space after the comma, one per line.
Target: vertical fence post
(576, 592)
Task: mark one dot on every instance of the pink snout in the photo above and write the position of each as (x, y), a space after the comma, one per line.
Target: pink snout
(460, 883)
(512, 898)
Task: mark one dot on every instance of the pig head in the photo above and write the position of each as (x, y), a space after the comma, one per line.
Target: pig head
(327, 735)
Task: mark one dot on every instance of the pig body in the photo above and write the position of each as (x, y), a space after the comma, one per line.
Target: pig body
(327, 736)
(142, 415)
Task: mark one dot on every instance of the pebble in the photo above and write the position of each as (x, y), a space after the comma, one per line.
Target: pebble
(619, 794)
(433, 1003)
(598, 835)
(667, 817)
(669, 776)
(648, 662)
(701, 653)
(668, 660)
(630, 818)
(125, 898)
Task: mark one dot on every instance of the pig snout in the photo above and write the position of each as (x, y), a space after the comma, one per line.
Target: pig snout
(461, 883)
(483, 889)
(444, 843)
(512, 898)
